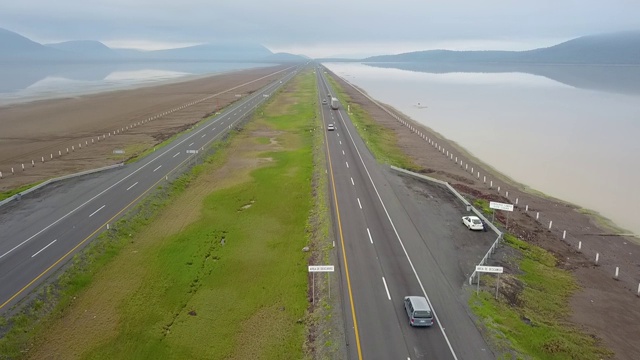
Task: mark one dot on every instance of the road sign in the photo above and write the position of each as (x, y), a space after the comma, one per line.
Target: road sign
(321, 268)
(500, 206)
(489, 269)
(192, 151)
(118, 151)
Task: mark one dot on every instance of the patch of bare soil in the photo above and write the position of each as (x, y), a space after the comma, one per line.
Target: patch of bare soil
(606, 308)
(69, 135)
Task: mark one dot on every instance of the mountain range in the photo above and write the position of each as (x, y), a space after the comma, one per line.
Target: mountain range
(17, 48)
(621, 48)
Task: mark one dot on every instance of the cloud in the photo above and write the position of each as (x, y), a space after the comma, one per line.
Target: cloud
(304, 24)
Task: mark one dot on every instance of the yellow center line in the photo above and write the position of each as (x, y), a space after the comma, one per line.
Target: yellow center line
(344, 253)
(88, 237)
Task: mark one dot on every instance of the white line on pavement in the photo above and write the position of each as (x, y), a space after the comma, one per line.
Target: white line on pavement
(370, 238)
(347, 164)
(93, 213)
(203, 135)
(156, 169)
(107, 189)
(190, 144)
(359, 204)
(129, 188)
(41, 250)
(178, 153)
(393, 226)
(352, 183)
(342, 152)
(386, 288)
(340, 142)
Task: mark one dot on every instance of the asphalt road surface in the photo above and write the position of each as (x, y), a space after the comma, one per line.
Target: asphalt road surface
(39, 233)
(391, 245)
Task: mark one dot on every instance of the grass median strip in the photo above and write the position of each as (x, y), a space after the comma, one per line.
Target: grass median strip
(219, 273)
(529, 319)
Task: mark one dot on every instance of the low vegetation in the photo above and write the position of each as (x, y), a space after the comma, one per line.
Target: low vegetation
(382, 142)
(210, 267)
(9, 193)
(529, 319)
(483, 205)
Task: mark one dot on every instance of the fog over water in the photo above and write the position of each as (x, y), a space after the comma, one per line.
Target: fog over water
(570, 132)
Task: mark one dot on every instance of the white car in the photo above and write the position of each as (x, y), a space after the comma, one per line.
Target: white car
(330, 127)
(472, 223)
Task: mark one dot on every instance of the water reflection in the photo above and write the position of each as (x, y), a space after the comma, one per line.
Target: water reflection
(559, 136)
(618, 79)
(26, 82)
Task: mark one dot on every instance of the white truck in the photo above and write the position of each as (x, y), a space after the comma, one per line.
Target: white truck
(335, 103)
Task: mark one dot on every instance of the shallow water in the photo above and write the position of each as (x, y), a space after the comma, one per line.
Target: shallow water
(570, 132)
(28, 82)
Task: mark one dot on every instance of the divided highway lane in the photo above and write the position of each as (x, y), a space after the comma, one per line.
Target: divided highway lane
(381, 254)
(37, 235)
(380, 275)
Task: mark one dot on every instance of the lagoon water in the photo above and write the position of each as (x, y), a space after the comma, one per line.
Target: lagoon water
(28, 82)
(569, 131)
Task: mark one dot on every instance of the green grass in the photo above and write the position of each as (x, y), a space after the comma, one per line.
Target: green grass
(9, 193)
(248, 293)
(19, 330)
(382, 142)
(483, 205)
(544, 301)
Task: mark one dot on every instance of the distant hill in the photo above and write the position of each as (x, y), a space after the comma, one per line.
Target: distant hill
(616, 48)
(17, 47)
(87, 49)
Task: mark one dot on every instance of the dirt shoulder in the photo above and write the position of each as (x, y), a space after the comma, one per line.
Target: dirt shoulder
(604, 307)
(84, 126)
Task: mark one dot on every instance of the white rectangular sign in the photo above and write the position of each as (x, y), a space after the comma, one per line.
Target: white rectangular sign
(500, 206)
(320, 268)
(489, 269)
(192, 151)
(118, 151)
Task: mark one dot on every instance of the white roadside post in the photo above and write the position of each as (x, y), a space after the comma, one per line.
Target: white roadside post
(313, 269)
(489, 269)
(501, 206)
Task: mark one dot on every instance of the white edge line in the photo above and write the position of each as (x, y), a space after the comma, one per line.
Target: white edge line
(415, 273)
(41, 250)
(132, 173)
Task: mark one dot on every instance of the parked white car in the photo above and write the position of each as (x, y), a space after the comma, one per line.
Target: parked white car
(472, 222)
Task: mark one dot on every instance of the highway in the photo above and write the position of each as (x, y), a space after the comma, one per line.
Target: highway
(386, 253)
(41, 232)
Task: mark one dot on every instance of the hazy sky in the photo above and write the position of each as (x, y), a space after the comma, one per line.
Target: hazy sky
(320, 27)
